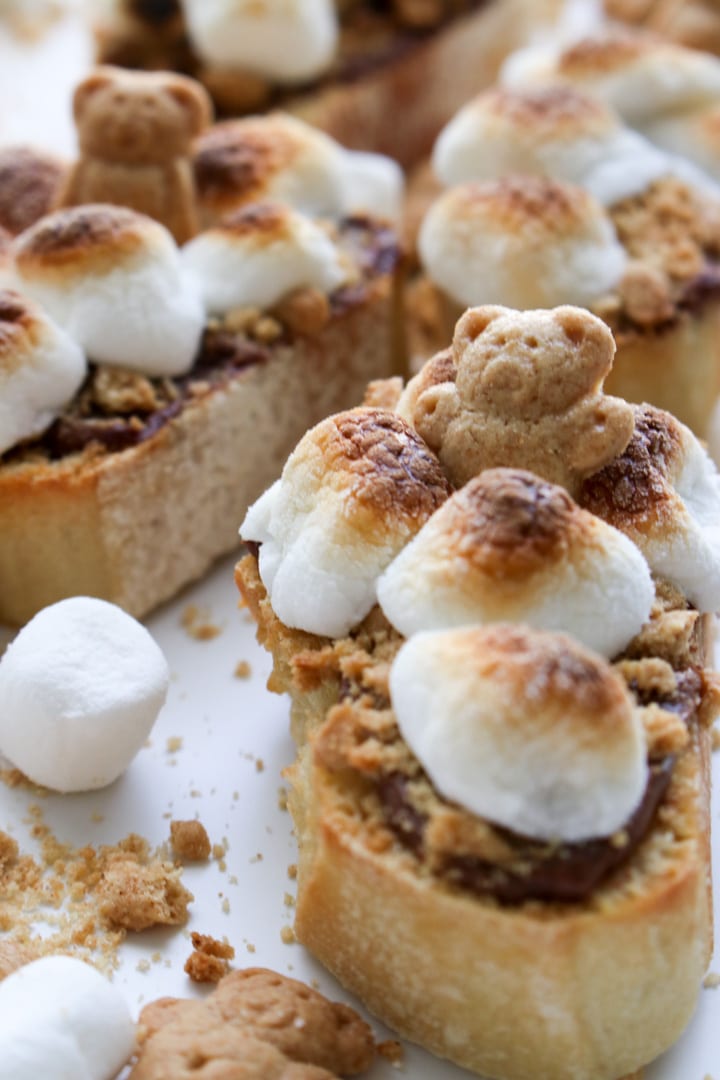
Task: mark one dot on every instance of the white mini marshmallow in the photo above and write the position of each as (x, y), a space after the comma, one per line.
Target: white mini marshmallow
(41, 369)
(60, 1019)
(675, 518)
(287, 41)
(80, 689)
(524, 728)
(521, 242)
(352, 493)
(113, 279)
(555, 132)
(260, 254)
(509, 547)
(373, 184)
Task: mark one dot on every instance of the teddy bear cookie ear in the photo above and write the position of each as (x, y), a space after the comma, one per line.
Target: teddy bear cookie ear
(98, 79)
(194, 99)
(527, 392)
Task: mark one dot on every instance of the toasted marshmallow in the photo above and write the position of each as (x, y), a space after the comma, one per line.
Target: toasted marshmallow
(80, 688)
(549, 131)
(523, 727)
(275, 157)
(638, 76)
(30, 180)
(663, 491)
(113, 279)
(356, 488)
(521, 241)
(670, 93)
(41, 369)
(59, 1017)
(258, 255)
(287, 41)
(509, 547)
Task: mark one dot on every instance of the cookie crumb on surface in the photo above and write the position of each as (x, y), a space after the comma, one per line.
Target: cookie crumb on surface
(198, 624)
(392, 1051)
(189, 840)
(209, 960)
(173, 744)
(136, 896)
(287, 936)
(243, 670)
(711, 980)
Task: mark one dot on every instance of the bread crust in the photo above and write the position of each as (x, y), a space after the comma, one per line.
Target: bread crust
(581, 991)
(137, 525)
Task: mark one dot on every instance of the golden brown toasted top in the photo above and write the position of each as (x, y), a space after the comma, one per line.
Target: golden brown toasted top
(234, 159)
(392, 471)
(509, 522)
(633, 489)
(517, 204)
(19, 329)
(560, 110)
(262, 219)
(602, 55)
(547, 671)
(29, 184)
(87, 236)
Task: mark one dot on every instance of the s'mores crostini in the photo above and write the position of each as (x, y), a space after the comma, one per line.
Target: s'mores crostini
(550, 199)
(345, 65)
(185, 377)
(493, 620)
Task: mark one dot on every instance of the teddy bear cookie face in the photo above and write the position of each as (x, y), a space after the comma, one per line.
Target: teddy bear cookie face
(136, 118)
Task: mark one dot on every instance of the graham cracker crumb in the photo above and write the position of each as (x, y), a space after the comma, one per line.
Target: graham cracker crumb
(392, 1051)
(250, 947)
(287, 936)
(143, 966)
(259, 765)
(189, 840)
(711, 980)
(243, 670)
(173, 744)
(289, 900)
(292, 871)
(210, 959)
(198, 625)
(282, 799)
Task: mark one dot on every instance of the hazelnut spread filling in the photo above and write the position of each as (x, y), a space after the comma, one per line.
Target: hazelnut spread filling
(117, 409)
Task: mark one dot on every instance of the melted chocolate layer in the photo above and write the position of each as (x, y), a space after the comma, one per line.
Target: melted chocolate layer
(564, 873)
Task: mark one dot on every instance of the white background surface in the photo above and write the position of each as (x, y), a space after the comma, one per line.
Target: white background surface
(226, 724)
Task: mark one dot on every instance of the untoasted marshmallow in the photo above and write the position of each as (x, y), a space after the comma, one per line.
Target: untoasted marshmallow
(509, 547)
(523, 242)
(352, 493)
(41, 369)
(525, 728)
(664, 493)
(373, 184)
(258, 255)
(275, 157)
(549, 131)
(113, 279)
(60, 1018)
(80, 688)
(693, 135)
(285, 40)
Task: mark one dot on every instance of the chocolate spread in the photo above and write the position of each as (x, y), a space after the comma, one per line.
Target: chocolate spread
(223, 356)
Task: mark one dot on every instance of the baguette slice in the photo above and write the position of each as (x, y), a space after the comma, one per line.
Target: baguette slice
(135, 526)
(590, 990)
